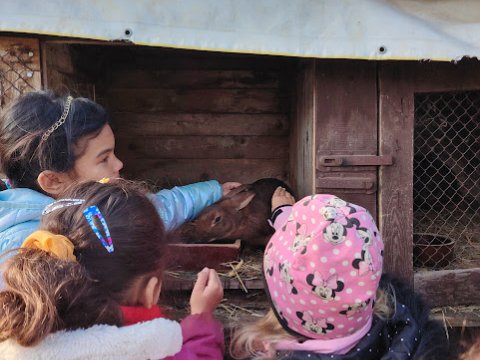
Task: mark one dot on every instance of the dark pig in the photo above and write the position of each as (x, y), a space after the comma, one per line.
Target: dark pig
(242, 214)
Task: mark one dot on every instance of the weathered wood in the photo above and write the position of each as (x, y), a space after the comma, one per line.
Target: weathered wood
(460, 316)
(149, 58)
(346, 123)
(441, 76)
(61, 74)
(194, 79)
(395, 182)
(449, 287)
(302, 137)
(172, 283)
(348, 182)
(160, 124)
(203, 147)
(194, 257)
(195, 100)
(168, 173)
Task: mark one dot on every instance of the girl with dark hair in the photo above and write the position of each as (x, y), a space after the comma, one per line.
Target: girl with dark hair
(49, 142)
(86, 285)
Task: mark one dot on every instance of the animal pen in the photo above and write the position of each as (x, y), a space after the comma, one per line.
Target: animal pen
(397, 136)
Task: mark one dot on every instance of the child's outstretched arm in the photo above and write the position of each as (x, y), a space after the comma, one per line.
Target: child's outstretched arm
(202, 334)
(282, 202)
(184, 203)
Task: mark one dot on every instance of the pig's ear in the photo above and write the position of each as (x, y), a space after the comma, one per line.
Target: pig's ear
(243, 199)
(236, 191)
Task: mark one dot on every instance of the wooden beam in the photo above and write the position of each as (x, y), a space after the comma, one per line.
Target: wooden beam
(396, 118)
(302, 135)
(457, 316)
(449, 287)
(171, 283)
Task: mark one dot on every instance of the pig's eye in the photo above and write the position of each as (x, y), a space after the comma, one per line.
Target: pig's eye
(217, 219)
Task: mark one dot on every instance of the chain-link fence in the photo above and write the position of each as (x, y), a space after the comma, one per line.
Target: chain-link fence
(16, 72)
(19, 69)
(446, 180)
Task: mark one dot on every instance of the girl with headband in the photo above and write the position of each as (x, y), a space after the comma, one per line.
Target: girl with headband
(49, 142)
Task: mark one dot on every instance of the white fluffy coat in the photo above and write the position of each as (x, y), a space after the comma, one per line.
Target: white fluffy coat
(155, 339)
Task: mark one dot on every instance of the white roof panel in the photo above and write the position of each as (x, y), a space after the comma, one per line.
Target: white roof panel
(362, 29)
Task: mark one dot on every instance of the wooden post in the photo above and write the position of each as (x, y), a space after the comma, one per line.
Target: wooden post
(396, 113)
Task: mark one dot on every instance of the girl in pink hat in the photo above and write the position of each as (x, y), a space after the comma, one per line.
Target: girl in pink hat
(323, 270)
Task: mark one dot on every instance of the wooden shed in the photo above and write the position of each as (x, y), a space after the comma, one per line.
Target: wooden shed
(364, 119)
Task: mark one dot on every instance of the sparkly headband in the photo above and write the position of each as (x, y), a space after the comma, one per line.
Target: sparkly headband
(60, 121)
(59, 204)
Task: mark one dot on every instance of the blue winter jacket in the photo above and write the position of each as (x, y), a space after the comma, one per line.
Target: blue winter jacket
(21, 209)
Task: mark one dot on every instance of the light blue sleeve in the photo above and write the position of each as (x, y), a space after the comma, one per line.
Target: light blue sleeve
(184, 203)
(13, 237)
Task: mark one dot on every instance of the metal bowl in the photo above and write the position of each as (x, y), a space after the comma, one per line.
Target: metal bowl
(432, 250)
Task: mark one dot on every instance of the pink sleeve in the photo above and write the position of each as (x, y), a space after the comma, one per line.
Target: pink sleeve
(202, 338)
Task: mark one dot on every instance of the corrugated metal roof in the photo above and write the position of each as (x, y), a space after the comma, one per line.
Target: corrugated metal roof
(361, 29)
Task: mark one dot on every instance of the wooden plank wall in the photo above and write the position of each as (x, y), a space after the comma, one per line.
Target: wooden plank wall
(62, 72)
(183, 116)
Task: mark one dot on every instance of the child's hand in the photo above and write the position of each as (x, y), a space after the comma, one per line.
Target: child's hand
(207, 292)
(281, 197)
(229, 186)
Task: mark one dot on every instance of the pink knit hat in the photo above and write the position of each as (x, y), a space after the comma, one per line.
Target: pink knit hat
(323, 267)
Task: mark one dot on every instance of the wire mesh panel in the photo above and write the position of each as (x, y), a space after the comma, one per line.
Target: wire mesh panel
(19, 67)
(446, 180)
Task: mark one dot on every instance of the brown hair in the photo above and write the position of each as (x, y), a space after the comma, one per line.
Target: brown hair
(23, 155)
(46, 294)
(248, 340)
(469, 344)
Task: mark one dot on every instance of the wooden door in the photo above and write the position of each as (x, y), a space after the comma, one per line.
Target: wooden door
(346, 131)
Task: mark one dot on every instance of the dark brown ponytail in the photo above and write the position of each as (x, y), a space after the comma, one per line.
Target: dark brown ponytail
(47, 294)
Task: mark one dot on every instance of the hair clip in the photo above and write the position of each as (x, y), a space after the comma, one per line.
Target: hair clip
(61, 203)
(104, 180)
(91, 212)
(8, 183)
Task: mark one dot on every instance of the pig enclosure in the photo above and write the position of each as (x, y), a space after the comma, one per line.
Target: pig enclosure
(400, 138)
